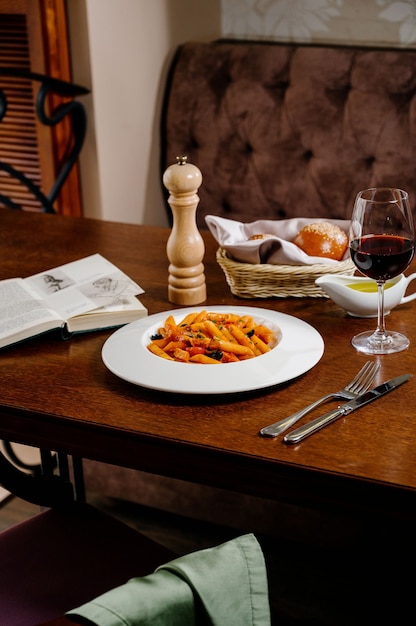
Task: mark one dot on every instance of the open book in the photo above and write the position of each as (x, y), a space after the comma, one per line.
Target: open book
(88, 294)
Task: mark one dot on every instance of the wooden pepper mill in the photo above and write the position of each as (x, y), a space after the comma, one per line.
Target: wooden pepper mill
(185, 247)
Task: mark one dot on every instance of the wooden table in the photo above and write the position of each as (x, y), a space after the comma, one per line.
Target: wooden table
(59, 395)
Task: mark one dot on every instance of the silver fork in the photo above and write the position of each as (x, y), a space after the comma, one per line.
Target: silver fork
(359, 384)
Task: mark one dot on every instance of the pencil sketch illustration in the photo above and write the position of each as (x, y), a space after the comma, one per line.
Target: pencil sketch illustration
(113, 289)
(51, 283)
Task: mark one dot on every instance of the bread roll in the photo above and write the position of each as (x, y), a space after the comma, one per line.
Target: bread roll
(322, 239)
(260, 236)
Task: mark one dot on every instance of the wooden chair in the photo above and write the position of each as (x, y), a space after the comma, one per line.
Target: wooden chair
(27, 152)
(72, 553)
(67, 554)
(26, 147)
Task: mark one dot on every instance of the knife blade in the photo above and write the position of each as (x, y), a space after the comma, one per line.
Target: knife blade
(302, 432)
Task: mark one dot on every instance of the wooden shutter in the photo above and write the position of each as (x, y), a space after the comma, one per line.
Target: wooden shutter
(33, 36)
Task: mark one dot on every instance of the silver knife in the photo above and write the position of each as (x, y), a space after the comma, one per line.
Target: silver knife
(302, 432)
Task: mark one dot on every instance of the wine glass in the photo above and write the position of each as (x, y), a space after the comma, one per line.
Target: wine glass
(381, 247)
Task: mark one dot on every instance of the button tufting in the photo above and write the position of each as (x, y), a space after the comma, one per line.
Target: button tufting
(293, 120)
(280, 85)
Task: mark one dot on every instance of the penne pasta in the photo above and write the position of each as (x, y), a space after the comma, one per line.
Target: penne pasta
(260, 345)
(203, 358)
(235, 348)
(211, 338)
(243, 338)
(159, 352)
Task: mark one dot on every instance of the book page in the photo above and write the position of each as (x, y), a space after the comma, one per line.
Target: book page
(21, 309)
(83, 285)
(108, 316)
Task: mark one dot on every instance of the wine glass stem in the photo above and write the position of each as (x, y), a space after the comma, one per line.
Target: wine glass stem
(380, 334)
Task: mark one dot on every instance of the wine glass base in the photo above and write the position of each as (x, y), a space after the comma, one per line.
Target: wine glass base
(370, 344)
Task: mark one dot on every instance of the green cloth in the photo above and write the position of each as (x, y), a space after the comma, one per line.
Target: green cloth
(221, 586)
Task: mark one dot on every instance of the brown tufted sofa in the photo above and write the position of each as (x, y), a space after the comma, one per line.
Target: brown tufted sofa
(277, 131)
(291, 130)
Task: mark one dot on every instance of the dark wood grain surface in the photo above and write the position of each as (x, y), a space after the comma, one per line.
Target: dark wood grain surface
(59, 395)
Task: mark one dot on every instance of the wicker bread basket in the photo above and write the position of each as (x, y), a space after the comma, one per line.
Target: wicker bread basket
(249, 280)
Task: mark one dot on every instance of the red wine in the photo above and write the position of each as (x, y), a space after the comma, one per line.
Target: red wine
(381, 256)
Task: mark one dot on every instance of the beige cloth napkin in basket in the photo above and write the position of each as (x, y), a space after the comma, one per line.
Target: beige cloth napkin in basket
(278, 249)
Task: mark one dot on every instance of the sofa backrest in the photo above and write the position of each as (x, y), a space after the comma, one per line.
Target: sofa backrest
(284, 131)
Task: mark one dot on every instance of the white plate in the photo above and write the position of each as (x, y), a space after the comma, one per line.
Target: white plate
(125, 354)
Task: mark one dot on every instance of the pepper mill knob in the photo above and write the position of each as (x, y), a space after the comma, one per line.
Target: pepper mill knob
(185, 247)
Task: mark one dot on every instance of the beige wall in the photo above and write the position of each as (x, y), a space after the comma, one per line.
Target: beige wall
(121, 49)
(372, 22)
